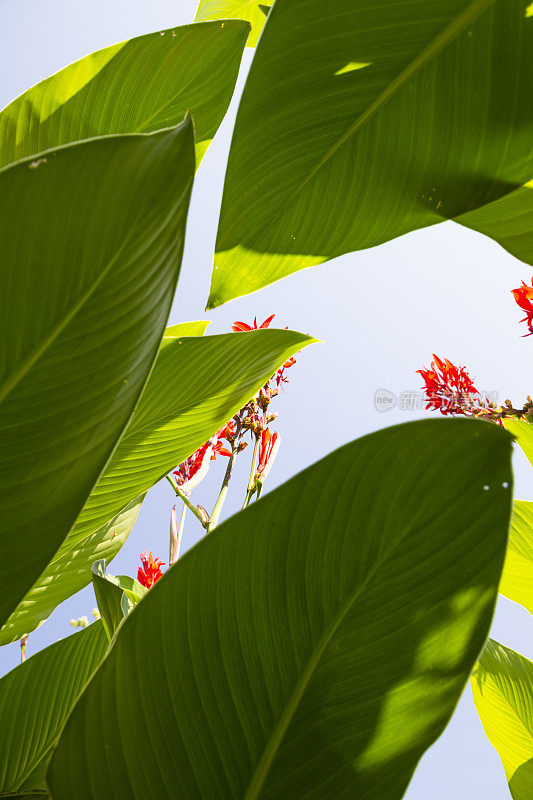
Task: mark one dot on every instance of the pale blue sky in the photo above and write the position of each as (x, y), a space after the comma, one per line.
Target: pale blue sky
(380, 313)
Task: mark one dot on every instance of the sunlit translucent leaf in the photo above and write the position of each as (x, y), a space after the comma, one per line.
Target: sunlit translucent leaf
(517, 578)
(326, 160)
(251, 10)
(138, 86)
(523, 433)
(502, 684)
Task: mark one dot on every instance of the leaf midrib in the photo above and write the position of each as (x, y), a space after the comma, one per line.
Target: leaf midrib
(271, 750)
(31, 359)
(524, 724)
(444, 38)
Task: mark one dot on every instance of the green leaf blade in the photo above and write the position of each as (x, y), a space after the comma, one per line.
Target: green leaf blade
(365, 590)
(517, 577)
(502, 684)
(35, 700)
(96, 231)
(108, 595)
(435, 126)
(68, 572)
(137, 86)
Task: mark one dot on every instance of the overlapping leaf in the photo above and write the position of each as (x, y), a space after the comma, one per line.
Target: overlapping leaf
(523, 433)
(68, 572)
(138, 86)
(502, 684)
(517, 578)
(91, 237)
(35, 700)
(196, 386)
(315, 644)
(109, 593)
(251, 10)
(361, 121)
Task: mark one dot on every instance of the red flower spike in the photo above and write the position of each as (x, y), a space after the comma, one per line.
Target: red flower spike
(523, 296)
(150, 571)
(450, 389)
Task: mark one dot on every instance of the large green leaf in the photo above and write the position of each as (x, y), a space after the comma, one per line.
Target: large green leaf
(517, 577)
(35, 700)
(251, 10)
(196, 386)
(91, 237)
(315, 644)
(502, 684)
(361, 121)
(138, 86)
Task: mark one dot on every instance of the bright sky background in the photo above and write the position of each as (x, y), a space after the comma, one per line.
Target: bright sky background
(380, 313)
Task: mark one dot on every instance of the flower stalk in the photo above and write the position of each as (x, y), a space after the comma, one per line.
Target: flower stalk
(221, 499)
(250, 489)
(186, 501)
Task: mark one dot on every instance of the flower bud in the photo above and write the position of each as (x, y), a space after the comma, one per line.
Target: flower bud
(204, 514)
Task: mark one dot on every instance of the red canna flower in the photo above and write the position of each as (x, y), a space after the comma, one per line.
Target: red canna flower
(193, 470)
(523, 296)
(243, 326)
(449, 389)
(150, 571)
(268, 448)
(219, 450)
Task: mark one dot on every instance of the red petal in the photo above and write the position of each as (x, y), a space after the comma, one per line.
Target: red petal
(241, 326)
(267, 322)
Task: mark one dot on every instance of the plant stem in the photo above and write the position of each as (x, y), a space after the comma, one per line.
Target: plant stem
(186, 500)
(213, 520)
(250, 488)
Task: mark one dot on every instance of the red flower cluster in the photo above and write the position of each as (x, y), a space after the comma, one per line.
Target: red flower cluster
(449, 389)
(243, 326)
(150, 572)
(194, 469)
(523, 297)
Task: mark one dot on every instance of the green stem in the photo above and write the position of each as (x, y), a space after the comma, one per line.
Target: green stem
(215, 516)
(251, 483)
(186, 500)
